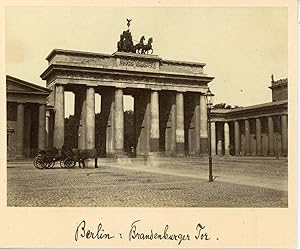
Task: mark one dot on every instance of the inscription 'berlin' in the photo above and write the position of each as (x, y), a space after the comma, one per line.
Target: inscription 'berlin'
(88, 234)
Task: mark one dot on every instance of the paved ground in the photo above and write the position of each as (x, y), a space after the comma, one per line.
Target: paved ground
(239, 182)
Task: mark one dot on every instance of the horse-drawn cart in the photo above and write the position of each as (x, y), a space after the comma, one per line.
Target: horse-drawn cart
(46, 159)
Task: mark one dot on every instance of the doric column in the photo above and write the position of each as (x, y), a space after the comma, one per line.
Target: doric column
(154, 130)
(237, 138)
(27, 130)
(171, 137)
(264, 137)
(20, 130)
(119, 122)
(142, 122)
(47, 125)
(226, 138)
(219, 139)
(197, 123)
(108, 120)
(213, 138)
(90, 118)
(80, 113)
(271, 136)
(284, 135)
(203, 125)
(59, 123)
(258, 136)
(179, 124)
(51, 129)
(247, 137)
(42, 127)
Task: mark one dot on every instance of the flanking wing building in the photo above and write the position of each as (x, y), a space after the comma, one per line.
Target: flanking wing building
(258, 130)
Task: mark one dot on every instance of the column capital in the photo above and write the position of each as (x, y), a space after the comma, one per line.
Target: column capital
(155, 89)
(79, 91)
(60, 84)
(120, 87)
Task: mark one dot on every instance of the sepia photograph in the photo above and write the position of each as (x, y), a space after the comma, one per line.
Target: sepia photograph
(128, 108)
(151, 125)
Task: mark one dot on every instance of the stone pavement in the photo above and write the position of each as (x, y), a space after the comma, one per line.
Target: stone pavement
(252, 171)
(180, 182)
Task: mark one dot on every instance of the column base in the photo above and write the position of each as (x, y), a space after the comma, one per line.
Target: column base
(109, 155)
(120, 154)
(154, 145)
(152, 155)
(203, 146)
(180, 149)
(20, 156)
(170, 154)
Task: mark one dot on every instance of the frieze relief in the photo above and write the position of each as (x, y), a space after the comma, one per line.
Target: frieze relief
(103, 77)
(138, 63)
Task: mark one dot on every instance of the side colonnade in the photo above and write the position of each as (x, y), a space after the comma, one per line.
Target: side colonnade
(256, 136)
(27, 126)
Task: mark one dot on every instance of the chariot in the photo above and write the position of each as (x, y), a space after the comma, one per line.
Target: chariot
(46, 159)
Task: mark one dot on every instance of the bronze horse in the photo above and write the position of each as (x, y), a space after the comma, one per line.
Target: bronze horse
(140, 45)
(147, 47)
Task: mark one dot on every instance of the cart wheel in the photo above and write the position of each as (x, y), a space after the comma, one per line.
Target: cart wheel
(69, 163)
(38, 162)
(61, 162)
(50, 163)
(47, 162)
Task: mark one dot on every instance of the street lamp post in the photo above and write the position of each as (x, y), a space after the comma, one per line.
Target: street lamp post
(209, 102)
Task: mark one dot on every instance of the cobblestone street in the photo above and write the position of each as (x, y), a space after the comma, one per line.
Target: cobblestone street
(182, 182)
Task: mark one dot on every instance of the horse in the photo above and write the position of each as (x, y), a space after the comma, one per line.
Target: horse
(80, 155)
(139, 45)
(147, 47)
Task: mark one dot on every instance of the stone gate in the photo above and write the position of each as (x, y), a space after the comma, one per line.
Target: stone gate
(169, 102)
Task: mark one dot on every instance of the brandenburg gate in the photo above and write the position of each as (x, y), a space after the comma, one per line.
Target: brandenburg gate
(169, 102)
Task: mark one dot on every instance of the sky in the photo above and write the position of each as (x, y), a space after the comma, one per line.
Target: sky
(242, 47)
